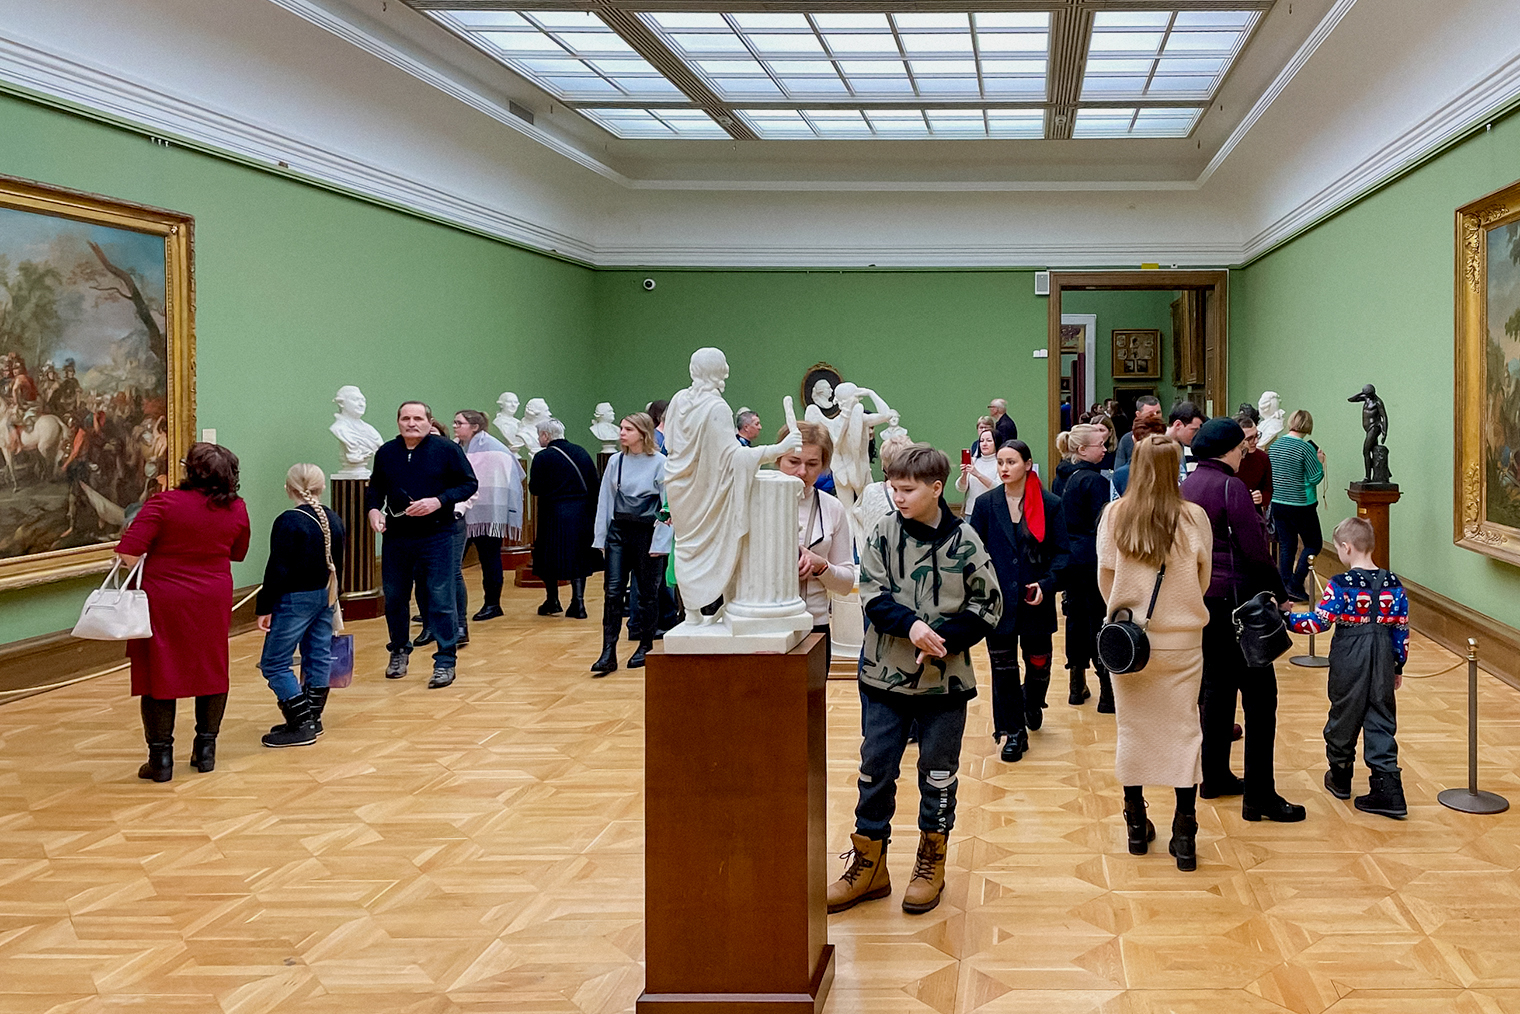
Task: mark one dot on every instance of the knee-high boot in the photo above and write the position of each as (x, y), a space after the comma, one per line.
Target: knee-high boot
(158, 730)
(1036, 684)
(208, 722)
(577, 610)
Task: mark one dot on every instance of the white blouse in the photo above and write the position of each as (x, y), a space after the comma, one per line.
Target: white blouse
(823, 528)
(983, 477)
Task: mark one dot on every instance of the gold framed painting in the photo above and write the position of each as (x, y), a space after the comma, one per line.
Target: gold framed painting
(97, 372)
(1137, 354)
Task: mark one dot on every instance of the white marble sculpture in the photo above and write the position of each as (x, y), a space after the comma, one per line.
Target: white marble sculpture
(509, 426)
(604, 426)
(1271, 419)
(735, 526)
(534, 412)
(359, 439)
(893, 428)
(851, 431)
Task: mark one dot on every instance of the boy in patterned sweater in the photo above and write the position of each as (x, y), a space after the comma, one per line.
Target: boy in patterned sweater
(1370, 612)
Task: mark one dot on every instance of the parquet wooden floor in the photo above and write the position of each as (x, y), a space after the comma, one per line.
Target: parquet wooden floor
(479, 849)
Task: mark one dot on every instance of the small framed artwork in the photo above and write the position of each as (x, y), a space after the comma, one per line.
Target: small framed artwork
(1137, 354)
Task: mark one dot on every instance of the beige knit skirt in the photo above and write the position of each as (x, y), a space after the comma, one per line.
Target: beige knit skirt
(1160, 741)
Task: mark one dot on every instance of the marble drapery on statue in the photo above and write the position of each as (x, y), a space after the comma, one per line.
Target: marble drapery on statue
(729, 522)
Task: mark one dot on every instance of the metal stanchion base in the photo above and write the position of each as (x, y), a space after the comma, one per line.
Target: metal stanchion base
(1311, 661)
(1467, 801)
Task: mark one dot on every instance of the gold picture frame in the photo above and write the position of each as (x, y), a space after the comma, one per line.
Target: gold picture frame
(141, 407)
(1487, 481)
(1136, 354)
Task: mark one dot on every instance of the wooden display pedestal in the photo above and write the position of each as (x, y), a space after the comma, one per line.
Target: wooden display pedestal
(1372, 503)
(359, 584)
(736, 918)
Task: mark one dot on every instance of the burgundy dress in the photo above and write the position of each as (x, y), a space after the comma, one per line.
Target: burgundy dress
(188, 577)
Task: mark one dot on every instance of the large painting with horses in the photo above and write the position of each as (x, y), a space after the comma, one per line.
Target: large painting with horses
(96, 372)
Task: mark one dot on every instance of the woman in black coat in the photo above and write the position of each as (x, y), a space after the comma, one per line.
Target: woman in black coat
(563, 478)
(1022, 527)
(1084, 493)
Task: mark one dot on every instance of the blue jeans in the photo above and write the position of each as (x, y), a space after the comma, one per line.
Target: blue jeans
(429, 560)
(300, 620)
(461, 594)
(886, 725)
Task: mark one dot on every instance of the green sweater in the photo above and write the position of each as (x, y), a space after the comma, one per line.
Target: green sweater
(1295, 471)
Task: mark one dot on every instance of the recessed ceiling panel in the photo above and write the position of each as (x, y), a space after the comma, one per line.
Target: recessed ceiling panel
(1140, 55)
(644, 123)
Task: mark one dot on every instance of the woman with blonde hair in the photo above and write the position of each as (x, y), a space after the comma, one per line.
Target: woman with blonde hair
(628, 508)
(1298, 467)
(875, 500)
(1153, 544)
(297, 606)
(1084, 492)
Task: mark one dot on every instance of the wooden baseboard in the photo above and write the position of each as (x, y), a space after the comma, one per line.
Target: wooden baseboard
(1449, 623)
(48, 659)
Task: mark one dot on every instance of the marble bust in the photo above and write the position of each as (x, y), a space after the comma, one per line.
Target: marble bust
(735, 526)
(822, 395)
(534, 412)
(851, 432)
(1271, 423)
(358, 438)
(604, 426)
(508, 425)
(894, 428)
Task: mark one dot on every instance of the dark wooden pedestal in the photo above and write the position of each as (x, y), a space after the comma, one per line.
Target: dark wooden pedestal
(735, 906)
(1372, 503)
(359, 584)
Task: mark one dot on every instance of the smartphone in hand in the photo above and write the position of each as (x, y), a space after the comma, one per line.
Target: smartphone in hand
(965, 456)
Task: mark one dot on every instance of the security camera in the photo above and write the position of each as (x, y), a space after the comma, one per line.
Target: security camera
(649, 285)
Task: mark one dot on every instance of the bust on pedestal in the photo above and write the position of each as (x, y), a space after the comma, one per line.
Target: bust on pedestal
(534, 412)
(604, 426)
(359, 582)
(358, 438)
(508, 425)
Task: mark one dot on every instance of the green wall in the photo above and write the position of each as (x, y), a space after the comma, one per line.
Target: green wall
(1366, 297)
(1118, 309)
(937, 345)
(300, 290)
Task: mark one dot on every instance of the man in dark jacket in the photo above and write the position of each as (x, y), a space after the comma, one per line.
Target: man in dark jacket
(418, 478)
(1004, 428)
(1242, 567)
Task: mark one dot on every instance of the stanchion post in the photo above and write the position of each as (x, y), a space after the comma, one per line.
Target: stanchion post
(1472, 799)
(1313, 660)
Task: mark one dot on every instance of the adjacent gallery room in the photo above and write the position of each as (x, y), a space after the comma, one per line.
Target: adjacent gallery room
(520, 506)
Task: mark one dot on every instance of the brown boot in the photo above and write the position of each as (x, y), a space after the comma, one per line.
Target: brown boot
(928, 881)
(865, 879)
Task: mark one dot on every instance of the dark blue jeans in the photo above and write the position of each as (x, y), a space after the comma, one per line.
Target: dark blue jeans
(461, 594)
(940, 727)
(429, 560)
(301, 620)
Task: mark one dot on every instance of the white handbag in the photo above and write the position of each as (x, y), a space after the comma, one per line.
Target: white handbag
(117, 610)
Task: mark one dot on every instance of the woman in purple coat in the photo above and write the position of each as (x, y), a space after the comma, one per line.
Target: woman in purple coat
(1242, 567)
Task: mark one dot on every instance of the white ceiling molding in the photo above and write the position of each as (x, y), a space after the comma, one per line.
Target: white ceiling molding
(1489, 97)
(914, 186)
(172, 117)
(1009, 255)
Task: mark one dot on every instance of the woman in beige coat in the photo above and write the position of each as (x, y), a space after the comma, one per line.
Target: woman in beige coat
(1160, 742)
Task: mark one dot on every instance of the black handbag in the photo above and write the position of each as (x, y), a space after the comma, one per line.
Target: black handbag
(1123, 645)
(1261, 631)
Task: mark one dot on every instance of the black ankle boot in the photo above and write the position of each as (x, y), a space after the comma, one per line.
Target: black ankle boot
(577, 610)
(208, 723)
(1078, 688)
(1140, 830)
(1035, 687)
(1338, 781)
(1105, 692)
(318, 698)
(1387, 796)
(158, 731)
(636, 661)
(489, 611)
(1015, 745)
(1184, 844)
(299, 729)
(608, 662)
(551, 606)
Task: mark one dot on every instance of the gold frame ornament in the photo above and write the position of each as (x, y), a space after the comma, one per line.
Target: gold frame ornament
(177, 232)
(1477, 424)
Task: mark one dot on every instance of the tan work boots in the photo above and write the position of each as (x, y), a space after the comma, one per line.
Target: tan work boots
(865, 878)
(928, 881)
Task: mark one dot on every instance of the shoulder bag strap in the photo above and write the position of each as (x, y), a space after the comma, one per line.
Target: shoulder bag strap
(1155, 594)
(577, 469)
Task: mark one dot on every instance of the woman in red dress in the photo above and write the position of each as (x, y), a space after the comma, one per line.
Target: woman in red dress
(190, 537)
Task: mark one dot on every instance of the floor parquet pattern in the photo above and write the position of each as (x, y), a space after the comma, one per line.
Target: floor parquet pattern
(478, 849)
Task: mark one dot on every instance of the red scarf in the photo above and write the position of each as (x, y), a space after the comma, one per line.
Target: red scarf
(1034, 507)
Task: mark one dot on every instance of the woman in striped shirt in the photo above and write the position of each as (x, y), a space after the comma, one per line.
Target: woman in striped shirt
(1298, 466)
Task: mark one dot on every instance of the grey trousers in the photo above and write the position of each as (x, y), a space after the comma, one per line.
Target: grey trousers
(1362, 667)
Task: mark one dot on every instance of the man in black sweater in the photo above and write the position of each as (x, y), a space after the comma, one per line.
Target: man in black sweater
(417, 480)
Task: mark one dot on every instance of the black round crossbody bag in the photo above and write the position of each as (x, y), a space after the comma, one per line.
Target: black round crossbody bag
(1123, 645)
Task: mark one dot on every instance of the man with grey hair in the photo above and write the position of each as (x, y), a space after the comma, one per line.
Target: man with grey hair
(1003, 426)
(563, 478)
(748, 426)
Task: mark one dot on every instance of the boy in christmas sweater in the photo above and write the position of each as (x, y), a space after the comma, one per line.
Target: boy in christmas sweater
(1370, 613)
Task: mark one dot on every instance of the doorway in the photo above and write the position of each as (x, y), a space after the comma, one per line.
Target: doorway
(1193, 339)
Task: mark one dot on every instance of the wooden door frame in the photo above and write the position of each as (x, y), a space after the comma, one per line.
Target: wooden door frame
(1215, 384)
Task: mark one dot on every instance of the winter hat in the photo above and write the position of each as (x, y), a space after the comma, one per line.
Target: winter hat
(1217, 437)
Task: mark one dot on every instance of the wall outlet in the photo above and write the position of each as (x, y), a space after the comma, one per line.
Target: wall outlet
(1042, 353)
(208, 436)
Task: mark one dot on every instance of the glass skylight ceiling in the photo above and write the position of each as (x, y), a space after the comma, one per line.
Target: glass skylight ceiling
(851, 74)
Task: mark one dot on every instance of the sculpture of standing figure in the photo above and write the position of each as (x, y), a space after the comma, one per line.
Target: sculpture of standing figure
(535, 412)
(508, 425)
(1270, 423)
(1374, 446)
(851, 432)
(604, 426)
(360, 440)
(728, 516)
